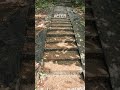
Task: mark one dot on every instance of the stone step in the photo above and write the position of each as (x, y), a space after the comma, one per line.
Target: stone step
(60, 46)
(61, 25)
(62, 28)
(59, 35)
(77, 63)
(60, 20)
(60, 39)
(61, 55)
(69, 30)
(60, 32)
(64, 82)
(95, 68)
(62, 67)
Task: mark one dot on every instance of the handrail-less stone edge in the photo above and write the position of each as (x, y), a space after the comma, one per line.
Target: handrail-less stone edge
(40, 40)
(79, 31)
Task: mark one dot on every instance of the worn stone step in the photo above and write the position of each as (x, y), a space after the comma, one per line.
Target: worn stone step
(60, 20)
(60, 39)
(59, 35)
(63, 82)
(77, 63)
(60, 32)
(95, 68)
(61, 25)
(60, 46)
(62, 28)
(54, 18)
(62, 67)
(69, 30)
(61, 55)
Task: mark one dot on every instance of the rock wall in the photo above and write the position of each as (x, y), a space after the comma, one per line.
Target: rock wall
(107, 13)
(12, 41)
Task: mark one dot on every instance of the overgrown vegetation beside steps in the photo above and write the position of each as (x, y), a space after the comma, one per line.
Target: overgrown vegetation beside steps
(42, 4)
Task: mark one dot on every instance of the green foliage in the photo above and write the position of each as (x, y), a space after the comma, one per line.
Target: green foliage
(78, 2)
(42, 3)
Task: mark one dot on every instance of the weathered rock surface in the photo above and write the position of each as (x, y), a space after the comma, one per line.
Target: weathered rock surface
(107, 13)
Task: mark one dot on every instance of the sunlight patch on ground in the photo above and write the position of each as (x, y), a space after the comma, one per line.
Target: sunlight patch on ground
(57, 67)
(40, 23)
